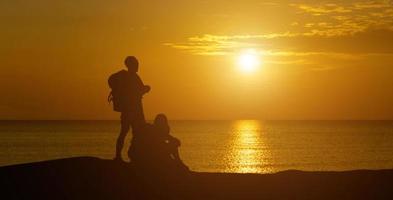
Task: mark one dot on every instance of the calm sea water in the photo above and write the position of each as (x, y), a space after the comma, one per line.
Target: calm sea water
(244, 146)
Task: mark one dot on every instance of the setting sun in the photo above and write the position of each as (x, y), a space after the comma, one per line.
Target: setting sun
(248, 61)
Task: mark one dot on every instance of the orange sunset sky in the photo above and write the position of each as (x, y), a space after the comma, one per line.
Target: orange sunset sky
(316, 59)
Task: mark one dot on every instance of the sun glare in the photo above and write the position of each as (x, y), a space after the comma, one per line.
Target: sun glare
(248, 61)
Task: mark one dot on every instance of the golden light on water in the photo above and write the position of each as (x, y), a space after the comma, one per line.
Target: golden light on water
(248, 152)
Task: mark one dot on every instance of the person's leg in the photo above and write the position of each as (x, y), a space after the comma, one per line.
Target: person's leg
(180, 163)
(125, 127)
(176, 154)
(138, 119)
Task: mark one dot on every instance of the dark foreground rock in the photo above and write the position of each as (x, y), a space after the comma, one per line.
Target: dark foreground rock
(93, 178)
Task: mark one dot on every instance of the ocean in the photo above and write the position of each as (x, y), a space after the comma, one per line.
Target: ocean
(243, 146)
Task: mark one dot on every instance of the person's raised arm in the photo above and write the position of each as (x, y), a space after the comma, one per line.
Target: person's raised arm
(142, 87)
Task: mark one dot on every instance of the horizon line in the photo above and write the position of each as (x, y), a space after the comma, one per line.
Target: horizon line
(5, 120)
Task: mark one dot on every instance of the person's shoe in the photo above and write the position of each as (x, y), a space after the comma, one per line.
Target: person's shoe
(118, 159)
(183, 166)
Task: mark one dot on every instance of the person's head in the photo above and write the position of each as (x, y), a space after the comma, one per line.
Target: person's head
(131, 63)
(161, 122)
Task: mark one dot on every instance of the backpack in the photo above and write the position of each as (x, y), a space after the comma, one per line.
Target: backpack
(116, 96)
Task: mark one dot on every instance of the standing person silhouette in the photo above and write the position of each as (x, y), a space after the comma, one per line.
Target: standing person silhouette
(127, 92)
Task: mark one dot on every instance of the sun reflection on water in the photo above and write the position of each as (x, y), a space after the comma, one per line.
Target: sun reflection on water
(248, 150)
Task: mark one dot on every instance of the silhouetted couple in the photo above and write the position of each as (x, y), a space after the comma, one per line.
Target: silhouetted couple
(151, 144)
(155, 150)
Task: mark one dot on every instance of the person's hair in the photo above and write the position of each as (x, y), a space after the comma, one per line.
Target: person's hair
(161, 122)
(131, 61)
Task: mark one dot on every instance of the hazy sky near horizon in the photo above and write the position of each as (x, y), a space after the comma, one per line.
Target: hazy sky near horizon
(319, 59)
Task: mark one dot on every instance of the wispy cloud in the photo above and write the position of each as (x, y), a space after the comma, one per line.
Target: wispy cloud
(346, 18)
(316, 21)
(323, 9)
(209, 44)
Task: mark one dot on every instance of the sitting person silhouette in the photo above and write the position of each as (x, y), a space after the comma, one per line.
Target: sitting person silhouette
(126, 95)
(170, 144)
(155, 149)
